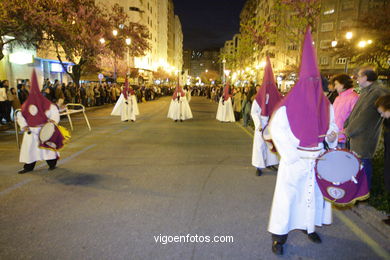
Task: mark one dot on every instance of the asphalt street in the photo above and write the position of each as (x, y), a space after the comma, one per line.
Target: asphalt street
(124, 185)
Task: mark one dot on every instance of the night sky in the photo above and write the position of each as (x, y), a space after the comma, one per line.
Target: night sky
(208, 23)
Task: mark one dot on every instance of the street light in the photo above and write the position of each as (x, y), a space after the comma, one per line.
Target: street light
(102, 40)
(223, 68)
(128, 42)
(348, 35)
(115, 32)
(334, 43)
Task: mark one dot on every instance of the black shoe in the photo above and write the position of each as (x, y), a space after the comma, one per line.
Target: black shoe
(314, 237)
(132, 121)
(259, 172)
(24, 171)
(387, 221)
(126, 121)
(52, 168)
(273, 167)
(175, 120)
(181, 120)
(277, 248)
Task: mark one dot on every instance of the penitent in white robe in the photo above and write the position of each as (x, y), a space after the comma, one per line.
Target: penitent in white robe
(179, 109)
(262, 157)
(127, 111)
(30, 151)
(225, 111)
(298, 202)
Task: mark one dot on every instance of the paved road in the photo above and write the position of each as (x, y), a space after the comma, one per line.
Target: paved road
(123, 185)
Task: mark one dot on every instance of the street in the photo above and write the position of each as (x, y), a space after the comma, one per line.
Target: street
(124, 185)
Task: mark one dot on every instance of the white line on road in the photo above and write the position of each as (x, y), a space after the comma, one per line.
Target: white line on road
(24, 182)
(14, 187)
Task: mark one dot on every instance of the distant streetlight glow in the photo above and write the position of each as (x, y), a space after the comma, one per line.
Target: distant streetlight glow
(348, 35)
(115, 32)
(334, 43)
(102, 40)
(362, 44)
(369, 41)
(128, 41)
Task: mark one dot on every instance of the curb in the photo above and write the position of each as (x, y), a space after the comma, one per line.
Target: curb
(372, 217)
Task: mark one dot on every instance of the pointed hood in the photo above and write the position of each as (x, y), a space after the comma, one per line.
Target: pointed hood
(226, 92)
(34, 108)
(268, 96)
(306, 105)
(125, 90)
(178, 90)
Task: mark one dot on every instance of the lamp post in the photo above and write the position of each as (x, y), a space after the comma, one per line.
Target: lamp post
(348, 36)
(128, 42)
(223, 71)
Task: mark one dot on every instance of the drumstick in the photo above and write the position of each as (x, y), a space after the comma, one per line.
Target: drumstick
(309, 158)
(326, 135)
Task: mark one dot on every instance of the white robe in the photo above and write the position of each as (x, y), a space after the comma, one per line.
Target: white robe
(126, 111)
(262, 157)
(225, 111)
(179, 110)
(30, 151)
(298, 202)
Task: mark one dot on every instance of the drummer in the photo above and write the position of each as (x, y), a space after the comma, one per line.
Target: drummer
(36, 111)
(298, 126)
(265, 102)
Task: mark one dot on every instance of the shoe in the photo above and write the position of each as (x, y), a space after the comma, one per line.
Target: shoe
(181, 120)
(132, 121)
(273, 167)
(126, 121)
(387, 221)
(277, 248)
(175, 120)
(259, 172)
(314, 237)
(52, 168)
(24, 171)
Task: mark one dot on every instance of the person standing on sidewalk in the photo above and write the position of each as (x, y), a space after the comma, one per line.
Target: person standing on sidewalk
(303, 120)
(262, 108)
(383, 106)
(363, 126)
(344, 103)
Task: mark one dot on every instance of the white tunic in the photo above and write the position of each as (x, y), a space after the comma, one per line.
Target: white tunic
(127, 111)
(262, 157)
(298, 202)
(179, 109)
(225, 111)
(30, 151)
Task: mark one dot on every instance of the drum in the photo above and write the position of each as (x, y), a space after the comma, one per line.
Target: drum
(340, 177)
(268, 139)
(53, 137)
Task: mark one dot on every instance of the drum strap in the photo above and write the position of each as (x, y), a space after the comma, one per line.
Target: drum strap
(326, 146)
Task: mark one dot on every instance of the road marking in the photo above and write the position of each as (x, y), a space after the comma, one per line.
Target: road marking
(362, 235)
(14, 187)
(20, 184)
(351, 225)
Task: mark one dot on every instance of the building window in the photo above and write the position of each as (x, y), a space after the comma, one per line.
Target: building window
(345, 24)
(324, 60)
(292, 47)
(325, 44)
(348, 5)
(328, 10)
(341, 61)
(327, 27)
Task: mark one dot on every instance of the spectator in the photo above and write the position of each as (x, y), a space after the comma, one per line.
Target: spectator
(13, 97)
(363, 125)
(344, 103)
(59, 94)
(22, 93)
(383, 106)
(237, 103)
(3, 105)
